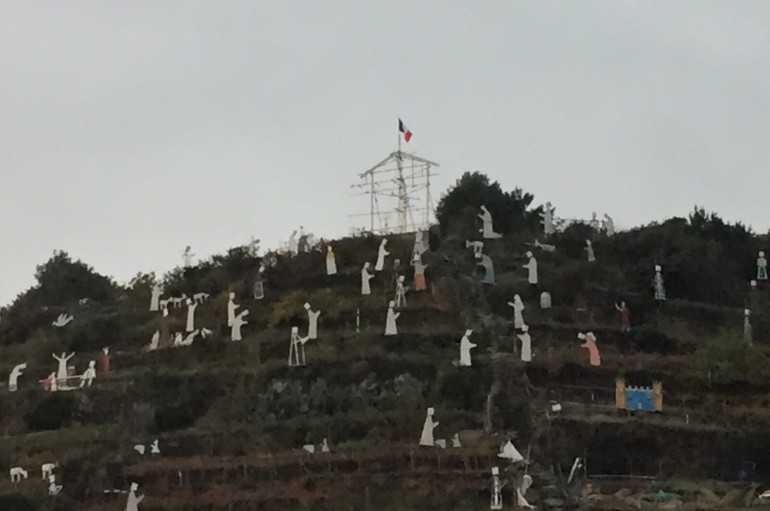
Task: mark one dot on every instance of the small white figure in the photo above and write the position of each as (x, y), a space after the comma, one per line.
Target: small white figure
(608, 224)
(761, 267)
(365, 278)
(419, 243)
(381, 253)
(165, 311)
(590, 252)
(660, 289)
(545, 300)
(191, 306)
(238, 322)
(526, 344)
(17, 474)
(140, 449)
(157, 290)
(258, 291)
(489, 269)
(303, 246)
(456, 441)
(487, 231)
(465, 349)
(531, 266)
(154, 341)
(426, 438)
(63, 320)
(13, 378)
(400, 291)
(390, 320)
(293, 246)
(312, 322)
(47, 469)
(331, 261)
(231, 306)
(154, 447)
(88, 376)
(547, 219)
(187, 256)
(478, 246)
(253, 248)
(545, 247)
(324, 446)
(178, 339)
(50, 383)
(594, 222)
(177, 301)
(133, 501)
(61, 373)
(509, 452)
(747, 336)
(496, 501)
(309, 448)
(297, 348)
(200, 297)
(53, 488)
(518, 309)
(441, 443)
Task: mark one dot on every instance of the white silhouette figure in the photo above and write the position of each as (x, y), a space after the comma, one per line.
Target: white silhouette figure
(545, 247)
(191, 306)
(465, 349)
(594, 222)
(13, 378)
(747, 335)
(487, 231)
(660, 289)
(509, 452)
(238, 322)
(381, 253)
(297, 348)
(187, 256)
(489, 268)
(518, 309)
(293, 247)
(312, 322)
(61, 373)
(140, 449)
(531, 266)
(545, 300)
(547, 219)
(154, 341)
(331, 262)
(200, 297)
(177, 301)
(254, 247)
(178, 340)
(53, 488)
(50, 383)
(590, 252)
(526, 344)
(390, 320)
(309, 448)
(608, 224)
(155, 298)
(63, 320)
(88, 375)
(365, 278)
(496, 501)
(324, 446)
(17, 474)
(761, 267)
(456, 441)
(231, 306)
(47, 469)
(133, 500)
(154, 447)
(426, 438)
(419, 244)
(400, 291)
(478, 246)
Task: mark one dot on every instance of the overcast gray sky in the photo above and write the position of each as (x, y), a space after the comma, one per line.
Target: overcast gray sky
(129, 130)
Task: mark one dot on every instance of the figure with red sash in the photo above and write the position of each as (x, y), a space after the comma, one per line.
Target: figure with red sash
(625, 321)
(104, 361)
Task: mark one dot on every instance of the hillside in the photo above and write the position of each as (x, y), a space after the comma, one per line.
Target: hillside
(231, 418)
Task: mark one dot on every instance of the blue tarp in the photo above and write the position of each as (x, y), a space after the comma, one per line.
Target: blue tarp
(639, 399)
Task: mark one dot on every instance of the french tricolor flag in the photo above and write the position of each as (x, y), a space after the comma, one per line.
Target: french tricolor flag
(403, 129)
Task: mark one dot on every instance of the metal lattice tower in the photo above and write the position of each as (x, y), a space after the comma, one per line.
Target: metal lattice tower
(399, 194)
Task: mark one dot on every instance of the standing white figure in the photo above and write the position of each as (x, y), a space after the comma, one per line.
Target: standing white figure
(547, 219)
(545, 300)
(187, 256)
(747, 335)
(53, 488)
(293, 246)
(487, 230)
(608, 224)
(191, 306)
(381, 253)
(331, 262)
(13, 378)
(526, 344)
(133, 500)
(531, 266)
(465, 349)
(155, 447)
(509, 452)
(238, 322)
(365, 278)
(231, 306)
(154, 341)
(761, 267)
(324, 445)
(297, 348)
(594, 222)
(456, 441)
(426, 438)
(419, 243)
(155, 298)
(497, 487)
(61, 373)
(312, 322)
(258, 290)
(88, 376)
(660, 289)
(400, 291)
(390, 320)
(518, 309)
(590, 252)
